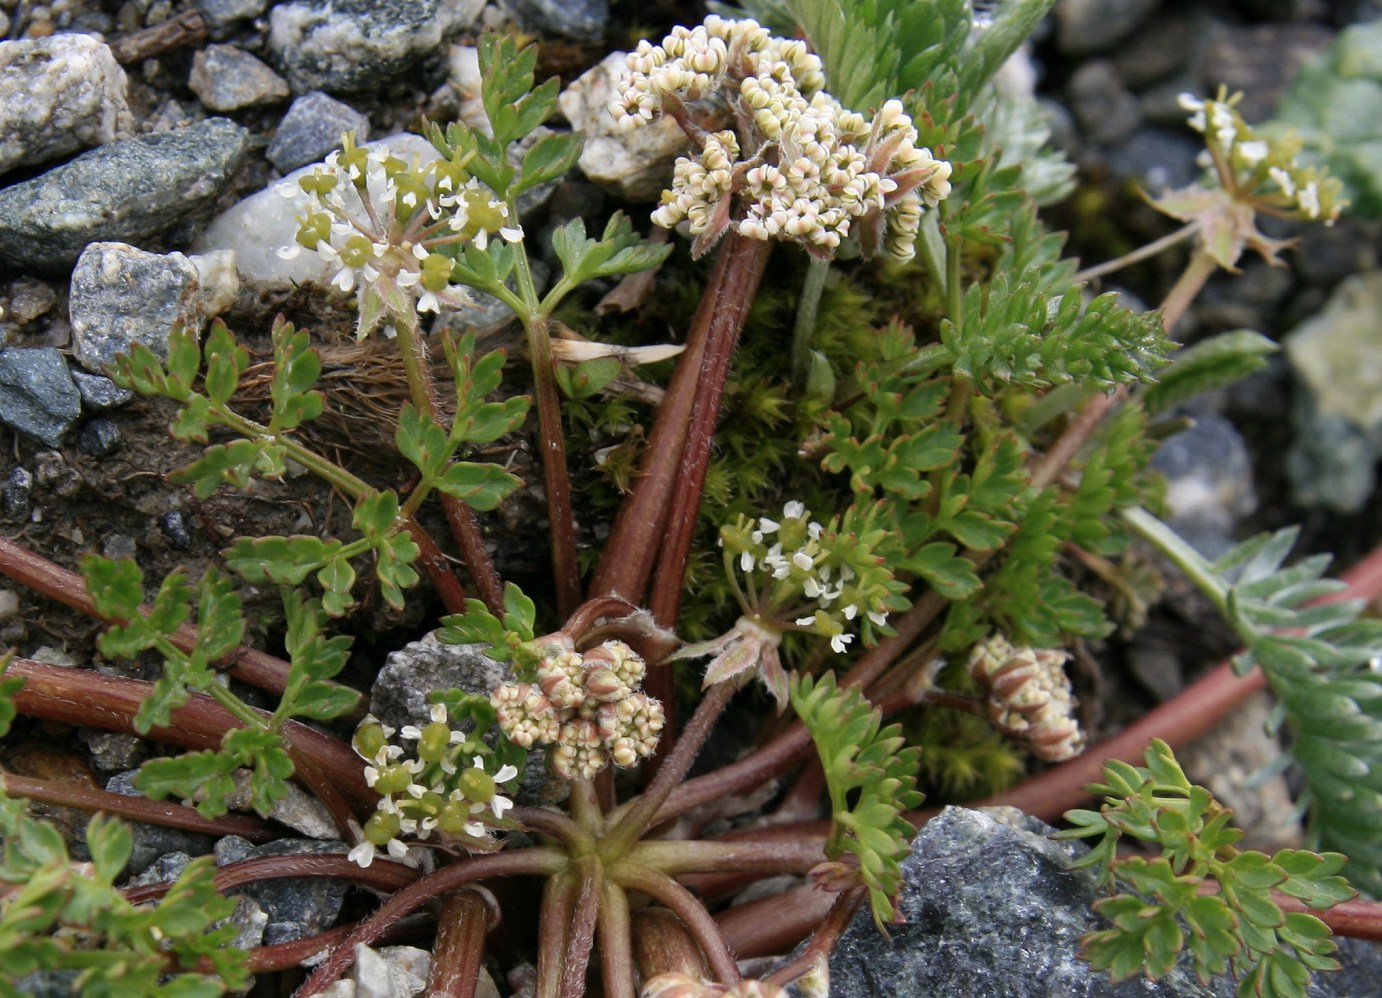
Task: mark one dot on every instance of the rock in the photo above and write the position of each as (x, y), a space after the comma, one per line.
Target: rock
(297, 907)
(18, 490)
(298, 810)
(153, 841)
(173, 526)
(250, 921)
(37, 396)
(1106, 111)
(98, 437)
(1329, 253)
(122, 296)
(99, 392)
(1162, 47)
(1157, 158)
(128, 191)
(226, 78)
(1336, 357)
(256, 228)
(1208, 483)
(311, 129)
(636, 166)
(391, 972)
(399, 695)
(992, 907)
(167, 867)
(349, 46)
(222, 15)
(584, 20)
(1085, 26)
(29, 299)
(1260, 60)
(113, 752)
(57, 95)
(219, 278)
(461, 94)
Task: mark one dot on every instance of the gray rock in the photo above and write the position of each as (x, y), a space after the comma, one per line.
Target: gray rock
(298, 810)
(128, 191)
(221, 15)
(57, 95)
(99, 392)
(29, 299)
(122, 296)
(153, 841)
(391, 972)
(297, 907)
(992, 907)
(311, 129)
(227, 78)
(1157, 158)
(1085, 26)
(99, 437)
(637, 165)
(250, 921)
(1261, 60)
(1336, 357)
(581, 19)
(1329, 253)
(1106, 111)
(50, 984)
(1162, 47)
(166, 868)
(1208, 483)
(37, 396)
(348, 46)
(173, 526)
(113, 752)
(18, 490)
(399, 695)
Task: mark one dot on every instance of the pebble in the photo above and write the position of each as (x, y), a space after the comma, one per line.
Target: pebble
(37, 396)
(1209, 486)
(584, 20)
(151, 842)
(1158, 159)
(1106, 111)
(128, 190)
(312, 129)
(112, 751)
(350, 46)
(1336, 357)
(1261, 60)
(637, 165)
(222, 15)
(57, 95)
(9, 604)
(173, 526)
(297, 907)
(226, 78)
(1086, 26)
(99, 437)
(122, 295)
(29, 299)
(99, 392)
(16, 493)
(1162, 47)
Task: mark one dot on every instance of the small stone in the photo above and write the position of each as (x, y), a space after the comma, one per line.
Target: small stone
(637, 165)
(251, 923)
(584, 20)
(1208, 483)
(98, 437)
(1085, 26)
(122, 296)
(298, 810)
(165, 869)
(15, 496)
(29, 299)
(99, 392)
(219, 278)
(391, 972)
(1327, 254)
(1106, 111)
(57, 95)
(1160, 48)
(37, 396)
(349, 46)
(173, 526)
(312, 129)
(1260, 60)
(226, 78)
(1156, 158)
(1337, 360)
(9, 604)
(117, 546)
(127, 190)
(297, 907)
(154, 841)
(113, 752)
(222, 15)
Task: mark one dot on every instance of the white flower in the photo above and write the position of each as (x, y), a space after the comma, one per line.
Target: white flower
(840, 642)
(794, 510)
(397, 849)
(363, 855)
(1253, 152)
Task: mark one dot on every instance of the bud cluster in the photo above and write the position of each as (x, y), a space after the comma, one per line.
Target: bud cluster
(428, 790)
(687, 986)
(587, 705)
(1029, 696)
(813, 170)
(1261, 167)
(381, 222)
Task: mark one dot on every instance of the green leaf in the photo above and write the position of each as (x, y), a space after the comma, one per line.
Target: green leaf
(116, 587)
(226, 361)
(582, 380)
(422, 441)
(479, 486)
(208, 776)
(296, 369)
(284, 560)
(951, 575)
(1212, 363)
(110, 842)
(520, 613)
(549, 158)
(230, 463)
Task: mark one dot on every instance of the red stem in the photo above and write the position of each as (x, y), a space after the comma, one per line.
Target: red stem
(566, 574)
(381, 875)
(580, 938)
(773, 924)
(153, 812)
(667, 892)
(466, 918)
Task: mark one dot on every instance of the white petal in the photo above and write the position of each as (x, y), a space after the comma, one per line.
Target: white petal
(505, 774)
(363, 855)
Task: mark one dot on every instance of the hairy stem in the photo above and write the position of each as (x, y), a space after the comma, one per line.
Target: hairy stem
(804, 331)
(763, 858)
(663, 946)
(580, 940)
(465, 920)
(823, 940)
(667, 892)
(553, 923)
(464, 527)
(616, 947)
(382, 874)
(537, 862)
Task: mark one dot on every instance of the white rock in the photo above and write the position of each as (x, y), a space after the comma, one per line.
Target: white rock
(259, 226)
(637, 165)
(58, 95)
(391, 972)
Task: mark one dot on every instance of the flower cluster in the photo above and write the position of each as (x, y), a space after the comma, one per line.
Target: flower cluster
(382, 224)
(587, 705)
(1029, 696)
(812, 171)
(1260, 167)
(687, 986)
(428, 790)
